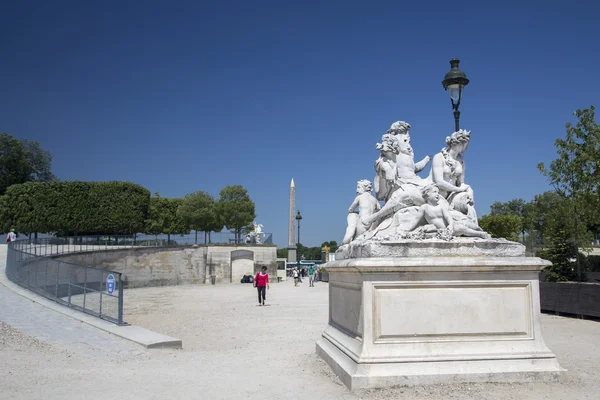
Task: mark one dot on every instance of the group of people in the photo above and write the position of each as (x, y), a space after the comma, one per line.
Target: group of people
(311, 272)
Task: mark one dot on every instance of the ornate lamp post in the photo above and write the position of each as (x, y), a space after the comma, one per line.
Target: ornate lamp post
(454, 82)
(298, 218)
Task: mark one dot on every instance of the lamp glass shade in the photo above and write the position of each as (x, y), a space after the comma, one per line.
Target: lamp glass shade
(454, 91)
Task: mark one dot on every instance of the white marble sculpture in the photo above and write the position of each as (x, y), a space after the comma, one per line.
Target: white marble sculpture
(401, 189)
(256, 235)
(419, 293)
(367, 205)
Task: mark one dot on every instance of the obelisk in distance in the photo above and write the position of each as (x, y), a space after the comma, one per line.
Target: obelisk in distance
(292, 225)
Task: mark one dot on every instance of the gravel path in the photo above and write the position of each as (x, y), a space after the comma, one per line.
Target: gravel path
(234, 349)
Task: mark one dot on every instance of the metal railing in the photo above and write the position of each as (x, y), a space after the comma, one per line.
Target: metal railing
(30, 263)
(94, 291)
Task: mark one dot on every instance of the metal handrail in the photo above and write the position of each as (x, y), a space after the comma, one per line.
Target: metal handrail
(99, 292)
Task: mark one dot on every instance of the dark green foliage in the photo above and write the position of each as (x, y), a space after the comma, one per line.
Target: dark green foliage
(22, 161)
(282, 253)
(561, 253)
(593, 263)
(15, 167)
(333, 246)
(83, 208)
(309, 253)
(197, 210)
(40, 160)
(162, 217)
(575, 172)
(502, 226)
(517, 207)
(236, 208)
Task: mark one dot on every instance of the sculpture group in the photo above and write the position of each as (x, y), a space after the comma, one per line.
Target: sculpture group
(255, 236)
(439, 206)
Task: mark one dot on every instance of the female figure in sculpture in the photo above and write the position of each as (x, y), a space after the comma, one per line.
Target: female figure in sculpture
(448, 166)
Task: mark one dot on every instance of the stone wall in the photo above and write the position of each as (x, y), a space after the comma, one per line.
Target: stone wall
(143, 267)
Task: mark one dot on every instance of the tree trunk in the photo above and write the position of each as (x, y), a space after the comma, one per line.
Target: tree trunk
(196, 240)
(168, 238)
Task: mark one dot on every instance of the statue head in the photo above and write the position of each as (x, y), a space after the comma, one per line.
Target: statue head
(459, 140)
(404, 146)
(363, 186)
(462, 201)
(431, 191)
(388, 144)
(399, 128)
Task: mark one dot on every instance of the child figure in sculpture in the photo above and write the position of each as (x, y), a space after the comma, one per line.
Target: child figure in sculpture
(435, 214)
(367, 205)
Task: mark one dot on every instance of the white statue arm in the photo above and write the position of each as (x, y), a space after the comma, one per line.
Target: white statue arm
(437, 175)
(353, 205)
(422, 164)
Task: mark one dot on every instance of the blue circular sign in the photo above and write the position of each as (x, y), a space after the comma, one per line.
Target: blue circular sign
(110, 284)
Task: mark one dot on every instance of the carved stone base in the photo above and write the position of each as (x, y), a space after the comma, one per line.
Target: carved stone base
(406, 321)
(459, 246)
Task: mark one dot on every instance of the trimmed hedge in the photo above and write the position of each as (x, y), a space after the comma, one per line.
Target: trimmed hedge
(75, 207)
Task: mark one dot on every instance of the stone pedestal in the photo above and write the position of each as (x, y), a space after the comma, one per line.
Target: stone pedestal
(420, 320)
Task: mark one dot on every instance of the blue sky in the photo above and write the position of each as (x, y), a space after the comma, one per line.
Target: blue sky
(184, 96)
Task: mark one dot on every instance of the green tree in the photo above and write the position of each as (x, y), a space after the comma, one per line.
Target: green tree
(41, 161)
(163, 219)
(575, 173)
(333, 245)
(309, 253)
(502, 226)
(236, 208)
(282, 253)
(197, 211)
(176, 225)
(75, 207)
(517, 207)
(23, 161)
(15, 167)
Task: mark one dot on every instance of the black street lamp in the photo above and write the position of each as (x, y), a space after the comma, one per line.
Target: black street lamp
(298, 218)
(454, 82)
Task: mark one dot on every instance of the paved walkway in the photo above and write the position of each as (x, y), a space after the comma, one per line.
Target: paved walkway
(233, 349)
(35, 320)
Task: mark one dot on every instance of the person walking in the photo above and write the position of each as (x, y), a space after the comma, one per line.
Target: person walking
(311, 276)
(11, 237)
(261, 283)
(295, 273)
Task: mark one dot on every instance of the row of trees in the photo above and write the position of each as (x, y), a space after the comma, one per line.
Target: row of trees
(200, 212)
(96, 208)
(309, 253)
(559, 222)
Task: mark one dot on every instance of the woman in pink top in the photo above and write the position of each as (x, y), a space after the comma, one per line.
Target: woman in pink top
(261, 282)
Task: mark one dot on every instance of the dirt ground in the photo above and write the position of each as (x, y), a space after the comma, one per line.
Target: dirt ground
(234, 349)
